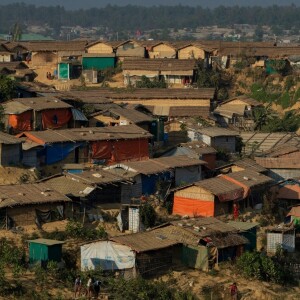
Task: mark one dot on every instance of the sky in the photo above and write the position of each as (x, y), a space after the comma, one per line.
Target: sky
(75, 4)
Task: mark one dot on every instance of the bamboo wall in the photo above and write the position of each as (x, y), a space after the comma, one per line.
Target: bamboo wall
(162, 51)
(100, 48)
(195, 192)
(191, 52)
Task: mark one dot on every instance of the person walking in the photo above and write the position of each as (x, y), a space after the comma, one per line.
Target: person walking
(77, 287)
(89, 286)
(234, 291)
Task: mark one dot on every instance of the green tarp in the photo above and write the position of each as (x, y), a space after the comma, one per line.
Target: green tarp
(97, 63)
(63, 71)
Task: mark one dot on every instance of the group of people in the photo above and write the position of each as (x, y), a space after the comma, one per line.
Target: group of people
(92, 288)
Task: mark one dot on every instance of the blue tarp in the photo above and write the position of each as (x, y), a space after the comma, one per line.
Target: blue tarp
(57, 152)
(149, 183)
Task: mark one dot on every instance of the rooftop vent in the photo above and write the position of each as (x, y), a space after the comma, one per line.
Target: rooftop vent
(246, 178)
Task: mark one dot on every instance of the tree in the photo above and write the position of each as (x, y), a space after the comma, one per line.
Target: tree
(7, 88)
(262, 116)
(148, 215)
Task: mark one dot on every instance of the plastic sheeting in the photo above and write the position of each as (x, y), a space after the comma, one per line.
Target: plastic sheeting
(245, 187)
(58, 152)
(21, 122)
(192, 207)
(121, 150)
(107, 255)
(56, 118)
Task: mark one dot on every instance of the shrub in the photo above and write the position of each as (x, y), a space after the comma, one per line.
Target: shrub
(148, 215)
(261, 267)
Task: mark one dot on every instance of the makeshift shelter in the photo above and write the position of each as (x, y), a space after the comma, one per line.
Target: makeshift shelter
(208, 198)
(282, 161)
(216, 137)
(29, 204)
(153, 253)
(10, 150)
(69, 69)
(281, 237)
(103, 145)
(107, 255)
(24, 114)
(45, 250)
(172, 71)
(205, 241)
(247, 230)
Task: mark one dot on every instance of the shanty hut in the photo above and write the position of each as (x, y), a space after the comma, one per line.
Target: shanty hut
(193, 51)
(160, 50)
(116, 115)
(29, 204)
(205, 241)
(10, 150)
(237, 112)
(36, 114)
(107, 255)
(100, 47)
(5, 54)
(104, 145)
(130, 49)
(247, 230)
(45, 250)
(173, 71)
(282, 162)
(208, 198)
(242, 165)
(153, 252)
(197, 150)
(219, 138)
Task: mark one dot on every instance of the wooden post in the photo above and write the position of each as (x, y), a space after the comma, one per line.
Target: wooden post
(83, 219)
(6, 220)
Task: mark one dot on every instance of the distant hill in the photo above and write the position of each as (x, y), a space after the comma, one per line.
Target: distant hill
(75, 4)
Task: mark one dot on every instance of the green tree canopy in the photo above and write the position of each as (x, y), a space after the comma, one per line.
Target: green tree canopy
(7, 88)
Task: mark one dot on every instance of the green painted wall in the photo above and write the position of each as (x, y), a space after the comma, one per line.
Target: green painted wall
(97, 63)
(63, 71)
(41, 252)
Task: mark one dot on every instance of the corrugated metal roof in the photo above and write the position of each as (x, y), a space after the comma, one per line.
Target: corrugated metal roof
(87, 134)
(217, 131)
(137, 94)
(250, 164)
(161, 164)
(78, 115)
(189, 111)
(19, 105)
(250, 178)
(9, 139)
(131, 115)
(243, 226)
(218, 186)
(159, 64)
(145, 241)
(263, 142)
(199, 147)
(26, 194)
(244, 98)
(46, 242)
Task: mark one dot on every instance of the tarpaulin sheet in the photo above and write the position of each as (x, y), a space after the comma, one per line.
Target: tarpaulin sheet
(245, 188)
(21, 122)
(101, 150)
(191, 207)
(107, 255)
(121, 150)
(130, 150)
(56, 118)
(59, 151)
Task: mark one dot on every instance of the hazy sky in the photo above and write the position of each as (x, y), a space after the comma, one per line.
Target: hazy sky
(74, 4)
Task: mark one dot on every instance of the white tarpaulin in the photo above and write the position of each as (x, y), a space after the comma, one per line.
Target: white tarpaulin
(107, 255)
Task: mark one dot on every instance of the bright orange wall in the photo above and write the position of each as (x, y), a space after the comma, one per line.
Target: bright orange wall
(192, 208)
